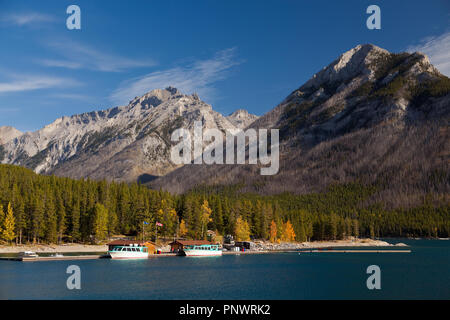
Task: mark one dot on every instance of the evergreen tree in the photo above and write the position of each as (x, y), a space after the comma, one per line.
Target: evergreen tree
(75, 230)
(61, 217)
(51, 220)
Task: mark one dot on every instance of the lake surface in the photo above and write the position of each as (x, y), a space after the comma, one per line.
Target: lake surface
(422, 274)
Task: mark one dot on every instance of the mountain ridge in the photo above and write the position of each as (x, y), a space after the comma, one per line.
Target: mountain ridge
(120, 143)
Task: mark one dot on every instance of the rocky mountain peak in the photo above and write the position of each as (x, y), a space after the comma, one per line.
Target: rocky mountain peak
(241, 118)
(8, 133)
(156, 97)
(356, 61)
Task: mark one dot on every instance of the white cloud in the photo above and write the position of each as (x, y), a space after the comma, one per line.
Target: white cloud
(71, 96)
(61, 64)
(27, 83)
(29, 18)
(437, 48)
(198, 76)
(79, 56)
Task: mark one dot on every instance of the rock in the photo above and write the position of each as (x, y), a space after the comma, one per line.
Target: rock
(241, 118)
(401, 244)
(8, 133)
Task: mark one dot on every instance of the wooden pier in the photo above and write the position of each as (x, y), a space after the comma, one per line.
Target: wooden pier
(69, 258)
(50, 258)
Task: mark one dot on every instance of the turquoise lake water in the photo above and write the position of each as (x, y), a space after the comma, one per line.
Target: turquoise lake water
(422, 274)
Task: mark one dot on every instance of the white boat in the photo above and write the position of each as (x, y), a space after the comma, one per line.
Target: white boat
(133, 251)
(57, 255)
(204, 250)
(28, 254)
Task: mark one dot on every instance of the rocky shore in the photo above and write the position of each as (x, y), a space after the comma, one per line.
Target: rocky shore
(268, 246)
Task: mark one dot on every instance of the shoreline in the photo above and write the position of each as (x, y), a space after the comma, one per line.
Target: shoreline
(259, 246)
(267, 246)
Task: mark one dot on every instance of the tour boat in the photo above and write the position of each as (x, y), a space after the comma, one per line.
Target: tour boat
(204, 250)
(57, 255)
(28, 254)
(133, 251)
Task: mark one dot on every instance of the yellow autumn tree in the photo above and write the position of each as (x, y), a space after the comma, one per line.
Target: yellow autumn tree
(242, 230)
(273, 231)
(288, 232)
(205, 217)
(8, 225)
(183, 230)
(2, 218)
(168, 217)
(100, 222)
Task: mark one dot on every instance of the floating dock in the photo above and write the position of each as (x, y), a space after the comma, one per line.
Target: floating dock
(69, 258)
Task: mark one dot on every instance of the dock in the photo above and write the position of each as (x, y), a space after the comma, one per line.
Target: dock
(70, 258)
(49, 258)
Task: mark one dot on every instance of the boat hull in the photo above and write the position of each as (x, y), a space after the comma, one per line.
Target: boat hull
(202, 253)
(128, 255)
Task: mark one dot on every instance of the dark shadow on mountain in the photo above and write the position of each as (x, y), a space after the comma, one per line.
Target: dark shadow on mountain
(145, 178)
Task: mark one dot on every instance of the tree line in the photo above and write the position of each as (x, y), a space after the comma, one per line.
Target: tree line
(37, 208)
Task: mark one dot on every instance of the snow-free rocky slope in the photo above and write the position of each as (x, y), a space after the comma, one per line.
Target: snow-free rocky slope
(8, 133)
(371, 117)
(126, 143)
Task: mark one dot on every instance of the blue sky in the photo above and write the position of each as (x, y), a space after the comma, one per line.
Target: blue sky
(233, 53)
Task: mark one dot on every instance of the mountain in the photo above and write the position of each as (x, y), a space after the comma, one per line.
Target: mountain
(8, 133)
(125, 143)
(241, 118)
(370, 117)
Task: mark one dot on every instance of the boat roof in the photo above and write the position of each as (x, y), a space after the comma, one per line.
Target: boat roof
(129, 242)
(192, 242)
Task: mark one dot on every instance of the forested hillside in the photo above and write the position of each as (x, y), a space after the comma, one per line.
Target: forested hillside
(370, 117)
(52, 209)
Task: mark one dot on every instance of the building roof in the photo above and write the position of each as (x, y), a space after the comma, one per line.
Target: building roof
(191, 242)
(128, 242)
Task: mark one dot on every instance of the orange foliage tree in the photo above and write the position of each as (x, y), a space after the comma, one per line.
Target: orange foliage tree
(288, 232)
